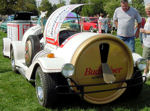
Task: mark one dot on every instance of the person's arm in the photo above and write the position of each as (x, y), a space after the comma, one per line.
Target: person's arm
(139, 20)
(116, 23)
(115, 19)
(138, 30)
(145, 31)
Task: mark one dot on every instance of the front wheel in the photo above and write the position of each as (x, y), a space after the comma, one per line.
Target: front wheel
(13, 61)
(45, 88)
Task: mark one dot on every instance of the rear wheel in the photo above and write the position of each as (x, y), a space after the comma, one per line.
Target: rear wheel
(32, 47)
(13, 61)
(45, 88)
(135, 90)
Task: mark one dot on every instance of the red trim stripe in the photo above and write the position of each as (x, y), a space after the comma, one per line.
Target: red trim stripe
(50, 41)
(18, 32)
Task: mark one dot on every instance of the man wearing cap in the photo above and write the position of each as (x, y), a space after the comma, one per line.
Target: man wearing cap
(124, 19)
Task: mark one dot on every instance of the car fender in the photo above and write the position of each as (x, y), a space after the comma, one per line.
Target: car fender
(6, 46)
(19, 51)
(35, 30)
(48, 65)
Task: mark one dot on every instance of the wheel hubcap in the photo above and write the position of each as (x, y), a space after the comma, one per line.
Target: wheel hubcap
(39, 88)
(40, 92)
(12, 63)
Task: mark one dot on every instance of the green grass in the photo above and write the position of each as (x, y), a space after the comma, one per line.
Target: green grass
(17, 94)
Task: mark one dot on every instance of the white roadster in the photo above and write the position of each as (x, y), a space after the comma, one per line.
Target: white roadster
(98, 67)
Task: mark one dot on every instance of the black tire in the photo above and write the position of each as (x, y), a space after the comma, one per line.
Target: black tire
(32, 47)
(134, 91)
(12, 61)
(45, 88)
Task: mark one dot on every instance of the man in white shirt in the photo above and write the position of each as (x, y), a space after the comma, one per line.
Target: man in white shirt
(124, 18)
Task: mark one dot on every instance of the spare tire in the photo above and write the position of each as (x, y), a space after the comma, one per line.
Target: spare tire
(32, 47)
(88, 60)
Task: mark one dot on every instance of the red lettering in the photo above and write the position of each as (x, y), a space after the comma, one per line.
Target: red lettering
(89, 71)
(117, 70)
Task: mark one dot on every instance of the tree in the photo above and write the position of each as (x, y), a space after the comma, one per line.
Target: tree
(77, 1)
(139, 5)
(61, 3)
(111, 6)
(26, 5)
(106, 6)
(7, 6)
(92, 7)
(11, 6)
(95, 7)
(46, 6)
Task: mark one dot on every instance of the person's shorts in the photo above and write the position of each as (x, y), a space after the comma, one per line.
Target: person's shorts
(146, 53)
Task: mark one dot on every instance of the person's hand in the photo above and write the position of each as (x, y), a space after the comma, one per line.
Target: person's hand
(142, 30)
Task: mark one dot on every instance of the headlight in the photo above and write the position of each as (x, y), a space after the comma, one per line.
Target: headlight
(68, 70)
(141, 64)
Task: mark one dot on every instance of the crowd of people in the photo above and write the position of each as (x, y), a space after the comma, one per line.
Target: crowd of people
(106, 26)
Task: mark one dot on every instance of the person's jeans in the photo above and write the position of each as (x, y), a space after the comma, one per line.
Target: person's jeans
(129, 41)
(106, 29)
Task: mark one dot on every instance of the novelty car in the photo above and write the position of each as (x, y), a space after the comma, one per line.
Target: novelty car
(98, 67)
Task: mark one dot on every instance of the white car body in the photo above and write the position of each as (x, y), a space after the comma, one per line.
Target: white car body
(66, 52)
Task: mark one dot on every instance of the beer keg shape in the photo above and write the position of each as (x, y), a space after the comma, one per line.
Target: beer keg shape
(88, 60)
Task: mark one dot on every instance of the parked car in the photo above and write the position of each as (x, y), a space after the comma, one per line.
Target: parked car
(3, 25)
(89, 24)
(98, 67)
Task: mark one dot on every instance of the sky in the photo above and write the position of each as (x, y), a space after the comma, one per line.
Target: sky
(57, 1)
(147, 1)
(52, 1)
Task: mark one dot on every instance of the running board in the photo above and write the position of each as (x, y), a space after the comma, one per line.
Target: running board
(21, 71)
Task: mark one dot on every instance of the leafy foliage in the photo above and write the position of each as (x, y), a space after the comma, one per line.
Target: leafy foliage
(139, 5)
(93, 7)
(106, 6)
(11, 6)
(111, 6)
(61, 3)
(7, 7)
(46, 6)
